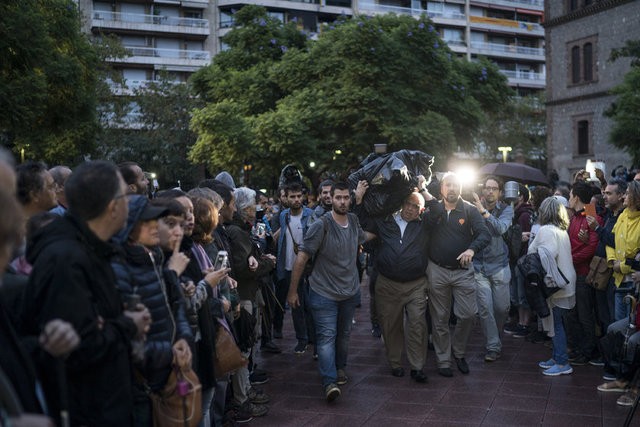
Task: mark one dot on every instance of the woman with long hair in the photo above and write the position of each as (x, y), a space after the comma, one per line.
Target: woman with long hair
(552, 242)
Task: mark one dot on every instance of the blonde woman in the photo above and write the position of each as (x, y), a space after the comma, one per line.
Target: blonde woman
(552, 241)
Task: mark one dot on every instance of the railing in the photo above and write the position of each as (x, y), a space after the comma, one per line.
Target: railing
(375, 7)
(503, 48)
(524, 3)
(500, 22)
(202, 55)
(150, 19)
(524, 75)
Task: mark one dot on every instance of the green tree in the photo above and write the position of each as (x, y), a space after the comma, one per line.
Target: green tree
(521, 126)
(387, 79)
(153, 129)
(625, 111)
(47, 80)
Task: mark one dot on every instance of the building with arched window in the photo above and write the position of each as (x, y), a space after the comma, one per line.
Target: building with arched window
(580, 35)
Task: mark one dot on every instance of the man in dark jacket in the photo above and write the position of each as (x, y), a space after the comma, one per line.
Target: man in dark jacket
(401, 286)
(72, 280)
(458, 232)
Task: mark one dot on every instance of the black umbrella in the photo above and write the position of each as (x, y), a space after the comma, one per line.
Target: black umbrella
(515, 171)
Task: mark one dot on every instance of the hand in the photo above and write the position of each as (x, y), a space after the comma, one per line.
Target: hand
(188, 288)
(213, 277)
(59, 338)
(616, 266)
(422, 182)
(141, 317)
(478, 203)
(635, 276)
(361, 189)
(466, 257)
(600, 174)
(526, 235)
(226, 305)
(583, 235)
(593, 223)
(182, 354)
(253, 263)
(270, 258)
(292, 299)
(178, 261)
(233, 283)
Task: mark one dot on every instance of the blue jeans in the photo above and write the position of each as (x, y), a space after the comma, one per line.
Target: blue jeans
(559, 340)
(621, 309)
(333, 327)
(492, 292)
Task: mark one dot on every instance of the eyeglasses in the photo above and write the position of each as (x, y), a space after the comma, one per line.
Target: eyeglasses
(492, 188)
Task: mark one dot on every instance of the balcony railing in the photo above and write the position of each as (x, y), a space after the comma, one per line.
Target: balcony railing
(507, 49)
(383, 8)
(201, 55)
(524, 75)
(487, 21)
(137, 18)
(536, 4)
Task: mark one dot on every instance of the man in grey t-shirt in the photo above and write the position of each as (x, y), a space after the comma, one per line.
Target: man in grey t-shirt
(332, 241)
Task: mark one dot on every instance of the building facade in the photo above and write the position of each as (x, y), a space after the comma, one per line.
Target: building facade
(580, 36)
(180, 36)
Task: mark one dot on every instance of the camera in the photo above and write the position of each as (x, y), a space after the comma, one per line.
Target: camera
(221, 260)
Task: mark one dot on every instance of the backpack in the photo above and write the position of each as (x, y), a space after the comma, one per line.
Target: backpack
(513, 238)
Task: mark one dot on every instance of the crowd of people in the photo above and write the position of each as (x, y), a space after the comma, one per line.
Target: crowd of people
(108, 292)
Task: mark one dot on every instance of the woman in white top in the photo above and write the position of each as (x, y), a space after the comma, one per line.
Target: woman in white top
(553, 237)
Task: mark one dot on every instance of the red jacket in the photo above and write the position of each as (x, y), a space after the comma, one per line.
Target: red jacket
(581, 252)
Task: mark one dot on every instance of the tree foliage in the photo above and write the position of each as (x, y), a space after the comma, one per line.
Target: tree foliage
(521, 126)
(625, 111)
(275, 97)
(47, 80)
(152, 128)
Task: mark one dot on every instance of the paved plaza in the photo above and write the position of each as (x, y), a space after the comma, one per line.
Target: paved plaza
(508, 392)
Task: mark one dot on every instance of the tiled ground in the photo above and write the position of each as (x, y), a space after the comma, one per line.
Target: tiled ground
(508, 392)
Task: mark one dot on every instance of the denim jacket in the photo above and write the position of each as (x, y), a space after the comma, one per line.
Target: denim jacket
(495, 256)
(282, 240)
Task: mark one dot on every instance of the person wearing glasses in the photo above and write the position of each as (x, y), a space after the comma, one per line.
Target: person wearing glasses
(491, 266)
(401, 286)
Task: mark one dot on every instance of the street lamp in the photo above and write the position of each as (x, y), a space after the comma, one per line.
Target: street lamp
(505, 152)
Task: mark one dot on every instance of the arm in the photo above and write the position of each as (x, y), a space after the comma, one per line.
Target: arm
(481, 236)
(296, 274)
(498, 225)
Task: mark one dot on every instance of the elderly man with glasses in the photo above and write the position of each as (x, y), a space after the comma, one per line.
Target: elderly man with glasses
(401, 286)
(491, 266)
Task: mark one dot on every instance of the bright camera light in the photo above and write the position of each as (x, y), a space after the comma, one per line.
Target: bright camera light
(467, 176)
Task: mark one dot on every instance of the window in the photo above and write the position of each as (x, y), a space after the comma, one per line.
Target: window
(575, 65)
(587, 61)
(582, 59)
(582, 133)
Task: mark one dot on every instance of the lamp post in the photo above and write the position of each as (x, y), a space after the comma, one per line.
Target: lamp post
(505, 152)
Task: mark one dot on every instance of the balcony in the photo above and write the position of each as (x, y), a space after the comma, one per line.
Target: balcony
(525, 78)
(302, 5)
(129, 86)
(187, 60)
(537, 5)
(197, 4)
(507, 25)
(507, 51)
(369, 6)
(151, 23)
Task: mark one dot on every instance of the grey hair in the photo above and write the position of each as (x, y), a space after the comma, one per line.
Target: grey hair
(209, 194)
(245, 197)
(634, 192)
(552, 211)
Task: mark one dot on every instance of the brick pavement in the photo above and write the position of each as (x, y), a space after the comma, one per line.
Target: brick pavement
(508, 392)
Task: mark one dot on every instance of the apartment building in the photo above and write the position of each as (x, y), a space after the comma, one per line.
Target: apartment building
(580, 37)
(182, 36)
(160, 35)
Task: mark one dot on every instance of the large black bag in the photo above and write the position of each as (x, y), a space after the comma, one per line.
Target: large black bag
(391, 177)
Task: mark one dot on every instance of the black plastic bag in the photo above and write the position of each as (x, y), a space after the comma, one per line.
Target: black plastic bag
(391, 177)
